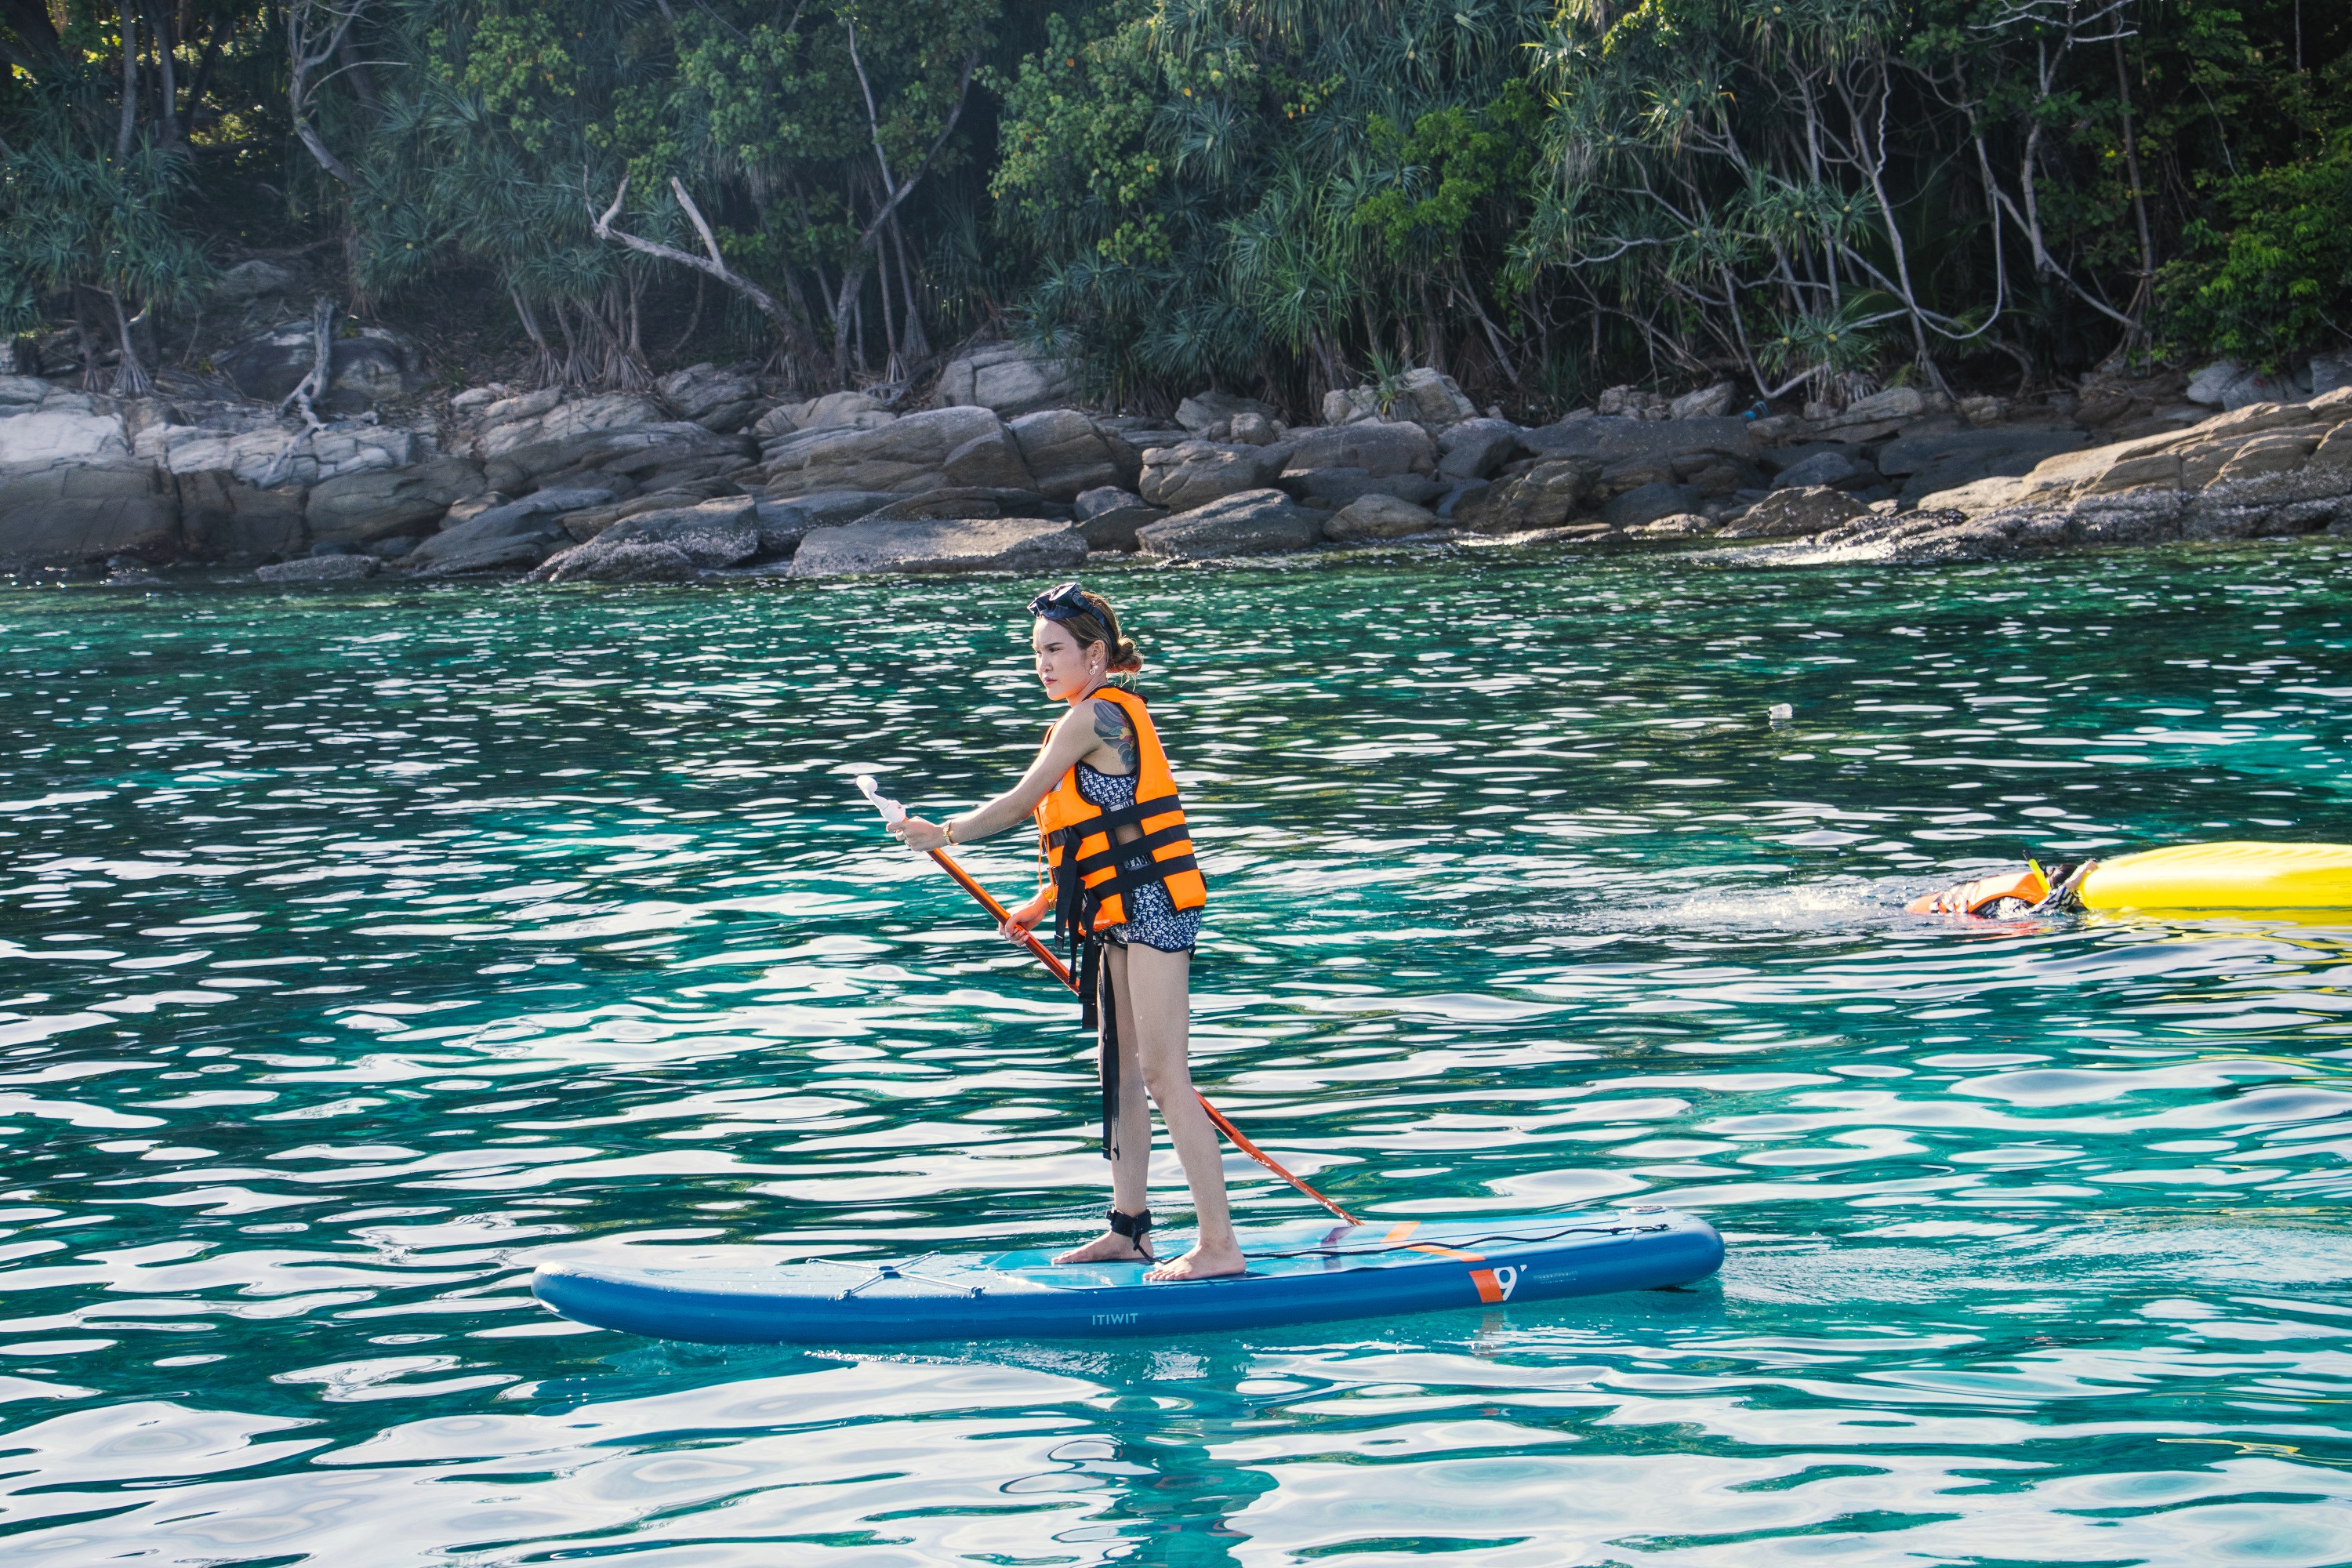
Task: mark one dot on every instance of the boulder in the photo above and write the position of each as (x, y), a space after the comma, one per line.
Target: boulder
(1254, 430)
(500, 537)
(42, 438)
(1380, 517)
(69, 516)
(1542, 494)
(1678, 525)
(503, 558)
(320, 569)
(1109, 517)
(906, 456)
(1025, 544)
(223, 519)
(1005, 378)
(377, 503)
(648, 547)
(634, 561)
(1065, 453)
(1831, 467)
(1328, 488)
(1894, 403)
(990, 460)
(1647, 503)
(1941, 459)
(368, 366)
(1786, 514)
(1197, 472)
(1707, 402)
(538, 421)
(1252, 522)
(1203, 410)
(1422, 397)
(1916, 538)
(1475, 448)
(19, 393)
(1377, 446)
(716, 399)
(784, 523)
(1608, 441)
(834, 411)
(2330, 371)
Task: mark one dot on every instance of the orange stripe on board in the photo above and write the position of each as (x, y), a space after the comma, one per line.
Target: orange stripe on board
(1490, 1289)
(1401, 1232)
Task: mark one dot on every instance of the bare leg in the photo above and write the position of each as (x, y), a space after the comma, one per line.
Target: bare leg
(1130, 1161)
(1158, 983)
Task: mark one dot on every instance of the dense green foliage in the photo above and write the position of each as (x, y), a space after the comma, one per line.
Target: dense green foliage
(1284, 195)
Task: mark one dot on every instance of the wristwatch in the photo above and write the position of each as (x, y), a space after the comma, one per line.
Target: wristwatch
(948, 827)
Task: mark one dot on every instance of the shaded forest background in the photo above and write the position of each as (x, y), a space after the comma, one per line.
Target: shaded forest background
(1277, 197)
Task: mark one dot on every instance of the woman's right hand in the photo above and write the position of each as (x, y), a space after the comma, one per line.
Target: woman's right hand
(1017, 923)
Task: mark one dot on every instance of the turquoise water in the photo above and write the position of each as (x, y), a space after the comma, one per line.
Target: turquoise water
(365, 947)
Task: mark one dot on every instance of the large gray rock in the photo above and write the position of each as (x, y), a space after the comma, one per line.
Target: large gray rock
(504, 535)
(1330, 488)
(1204, 411)
(539, 418)
(990, 460)
(320, 569)
(1253, 523)
(66, 516)
(904, 455)
(1380, 517)
(223, 519)
(1707, 403)
(1544, 494)
(1109, 518)
(1647, 503)
(1005, 378)
(675, 448)
(1066, 454)
(356, 508)
(716, 399)
(1609, 441)
(249, 280)
(1919, 537)
(1786, 514)
(784, 523)
(1191, 475)
(1475, 448)
(1377, 446)
(366, 367)
(1422, 397)
(1026, 544)
(45, 437)
(647, 547)
(1831, 467)
(1943, 459)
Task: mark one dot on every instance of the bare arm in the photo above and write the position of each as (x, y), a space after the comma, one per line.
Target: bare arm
(1076, 735)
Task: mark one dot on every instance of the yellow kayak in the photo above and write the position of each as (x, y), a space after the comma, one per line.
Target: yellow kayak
(2235, 876)
(2242, 875)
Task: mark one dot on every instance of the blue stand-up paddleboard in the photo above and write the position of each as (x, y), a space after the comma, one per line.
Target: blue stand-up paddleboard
(1312, 1271)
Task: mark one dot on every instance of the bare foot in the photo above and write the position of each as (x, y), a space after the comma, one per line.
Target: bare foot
(1201, 1263)
(1109, 1247)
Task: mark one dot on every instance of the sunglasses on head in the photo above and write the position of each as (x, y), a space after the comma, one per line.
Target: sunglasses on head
(1061, 604)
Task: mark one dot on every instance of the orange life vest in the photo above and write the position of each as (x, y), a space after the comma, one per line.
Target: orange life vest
(1083, 861)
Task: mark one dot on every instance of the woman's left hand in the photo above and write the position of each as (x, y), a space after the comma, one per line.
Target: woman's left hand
(917, 834)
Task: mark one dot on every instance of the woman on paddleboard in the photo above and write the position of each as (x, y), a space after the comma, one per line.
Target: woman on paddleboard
(1126, 894)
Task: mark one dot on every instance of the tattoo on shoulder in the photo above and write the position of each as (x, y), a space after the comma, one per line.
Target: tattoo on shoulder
(1114, 730)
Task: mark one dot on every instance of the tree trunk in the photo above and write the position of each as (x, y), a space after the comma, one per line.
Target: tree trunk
(2139, 196)
(129, 119)
(130, 377)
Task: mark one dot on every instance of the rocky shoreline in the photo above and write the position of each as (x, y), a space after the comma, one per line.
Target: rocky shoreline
(709, 476)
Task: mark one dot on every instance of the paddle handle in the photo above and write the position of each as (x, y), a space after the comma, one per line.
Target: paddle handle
(1061, 971)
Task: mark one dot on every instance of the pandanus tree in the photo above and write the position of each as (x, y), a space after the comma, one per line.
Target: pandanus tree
(1277, 192)
(93, 172)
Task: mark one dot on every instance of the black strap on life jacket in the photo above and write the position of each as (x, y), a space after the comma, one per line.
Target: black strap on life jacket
(1076, 907)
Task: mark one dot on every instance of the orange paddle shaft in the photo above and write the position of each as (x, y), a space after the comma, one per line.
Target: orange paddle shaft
(1062, 972)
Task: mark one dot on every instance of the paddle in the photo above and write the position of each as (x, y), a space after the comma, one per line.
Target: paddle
(893, 812)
